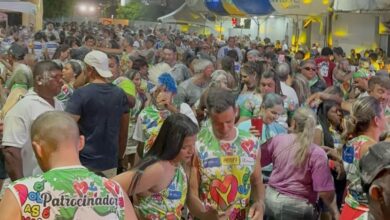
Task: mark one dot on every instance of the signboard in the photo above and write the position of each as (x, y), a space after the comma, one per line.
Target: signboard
(110, 21)
(364, 5)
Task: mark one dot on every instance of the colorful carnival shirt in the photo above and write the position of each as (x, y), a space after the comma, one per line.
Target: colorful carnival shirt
(289, 107)
(336, 136)
(69, 193)
(356, 198)
(148, 125)
(168, 203)
(387, 110)
(249, 104)
(66, 93)
(146, 86)
(225, 169)
(140, 99)
(125, 62)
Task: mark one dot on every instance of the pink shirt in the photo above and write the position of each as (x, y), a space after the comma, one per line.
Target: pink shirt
(303, 182)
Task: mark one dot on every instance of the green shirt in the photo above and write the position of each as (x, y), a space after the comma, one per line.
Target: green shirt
(126, 85)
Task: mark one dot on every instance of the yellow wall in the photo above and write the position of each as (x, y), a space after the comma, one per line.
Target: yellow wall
(37, 18)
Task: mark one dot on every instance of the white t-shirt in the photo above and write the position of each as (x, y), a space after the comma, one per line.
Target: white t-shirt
(17, 125)
(51, 47)
(289, 92)
(136, 44)
(39, 49)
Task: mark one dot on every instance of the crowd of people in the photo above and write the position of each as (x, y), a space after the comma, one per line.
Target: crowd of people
(108, 122)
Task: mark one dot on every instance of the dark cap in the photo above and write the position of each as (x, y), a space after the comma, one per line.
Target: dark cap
(373, 162)
(17, 51)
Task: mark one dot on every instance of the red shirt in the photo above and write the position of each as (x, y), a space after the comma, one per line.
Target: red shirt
(325, 68)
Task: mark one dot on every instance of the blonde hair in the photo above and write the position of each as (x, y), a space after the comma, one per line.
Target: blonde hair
(301, 86)
(363, 111)
(305, 122)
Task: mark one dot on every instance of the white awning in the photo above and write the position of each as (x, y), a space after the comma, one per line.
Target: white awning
(23, 7)
(361, 5)
(184, 15)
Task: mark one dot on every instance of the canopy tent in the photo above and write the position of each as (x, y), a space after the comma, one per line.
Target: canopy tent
(245, 8)
(361, 5)
(184, 15)
(254, 7)
(232, 9)
(17, 6)
(300, 7)
(216, 7)
(197, 5)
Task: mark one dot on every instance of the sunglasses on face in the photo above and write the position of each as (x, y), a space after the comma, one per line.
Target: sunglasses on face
(309, 68)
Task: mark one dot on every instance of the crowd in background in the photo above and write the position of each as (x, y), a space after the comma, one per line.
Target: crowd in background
(190, 126)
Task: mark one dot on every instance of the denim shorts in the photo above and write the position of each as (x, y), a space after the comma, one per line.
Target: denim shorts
(283, 207)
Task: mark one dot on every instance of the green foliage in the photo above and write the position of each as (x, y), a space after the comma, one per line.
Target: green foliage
(131, 11)
(58, 8)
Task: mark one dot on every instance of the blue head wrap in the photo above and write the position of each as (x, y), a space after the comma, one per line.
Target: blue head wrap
(168, 81)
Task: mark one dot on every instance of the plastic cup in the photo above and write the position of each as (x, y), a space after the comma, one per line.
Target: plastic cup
(258, 124)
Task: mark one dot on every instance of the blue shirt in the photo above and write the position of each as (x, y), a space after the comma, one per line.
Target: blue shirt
(268, 131)
(100, 107)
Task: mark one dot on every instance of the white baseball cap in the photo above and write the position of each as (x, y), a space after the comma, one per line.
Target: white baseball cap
(99, 61)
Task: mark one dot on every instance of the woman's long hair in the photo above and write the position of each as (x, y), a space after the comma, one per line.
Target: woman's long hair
(363, 111)
(322, 116)
(305, 122)
(61, 48)
(301, 87)
(167, 145)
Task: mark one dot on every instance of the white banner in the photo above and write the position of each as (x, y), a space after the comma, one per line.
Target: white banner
(24, 7)
(364, 5)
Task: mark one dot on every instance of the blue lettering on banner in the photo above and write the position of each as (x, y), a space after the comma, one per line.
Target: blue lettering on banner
(213, 162)
(51, 45)
(174, 195)
(36, 46)
(348, 154)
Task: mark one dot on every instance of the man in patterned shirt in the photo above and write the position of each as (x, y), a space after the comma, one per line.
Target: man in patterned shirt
(226, 178)
(66, 190)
